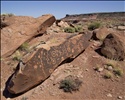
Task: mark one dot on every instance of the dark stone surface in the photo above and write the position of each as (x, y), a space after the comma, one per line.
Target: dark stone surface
(113, 48)
(44, 62)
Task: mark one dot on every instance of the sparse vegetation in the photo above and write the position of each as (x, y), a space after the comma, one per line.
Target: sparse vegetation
(96, 68)
(109, 64)
(17, 56)
(115, 68)
(7, 14)
(108, 75)
(94, 25)
(118, 71)
(69, 30)
(70, 84)
(24, 47)
(24, 98)
(78, 28)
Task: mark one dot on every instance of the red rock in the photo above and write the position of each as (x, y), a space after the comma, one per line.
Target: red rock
(113, 47)
(101, 33)
(44, 61)
(21, 29)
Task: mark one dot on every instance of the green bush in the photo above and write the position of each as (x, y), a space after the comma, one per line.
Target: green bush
(78, 28)
(94, 25)
(17, 56)
(108, 75)
(24, 98)
(118, 71)
(70, 84)
(69, 30)
(24, 47)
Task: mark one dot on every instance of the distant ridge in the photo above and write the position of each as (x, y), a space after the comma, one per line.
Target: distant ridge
(96, 15)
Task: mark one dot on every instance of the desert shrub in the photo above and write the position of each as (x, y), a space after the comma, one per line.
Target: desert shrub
(24, 47)
(96, 68)
(69, 30)
(17, 56)
(70, 84)
(94, 25)
(109, 64)
(78, 28)
(108, 75)
(118, 71)
(24, 98)
(3, 14)
(7, 14)
(10, 14)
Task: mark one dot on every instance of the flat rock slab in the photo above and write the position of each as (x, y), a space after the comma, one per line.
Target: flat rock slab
(44, 61)
(20, 29)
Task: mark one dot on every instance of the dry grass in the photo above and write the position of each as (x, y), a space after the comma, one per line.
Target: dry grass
(70, 84)
(108, 75)
(118, 71)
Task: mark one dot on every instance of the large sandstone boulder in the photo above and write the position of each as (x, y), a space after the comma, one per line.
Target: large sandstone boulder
(101, 33)
(43, 62)
(113, 47)
(21, 28)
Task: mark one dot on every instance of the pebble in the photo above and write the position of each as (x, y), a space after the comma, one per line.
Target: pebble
(119, 97)
(109, 68)
(86, 69)
(100, 69)
(109, 95)
(105, 66)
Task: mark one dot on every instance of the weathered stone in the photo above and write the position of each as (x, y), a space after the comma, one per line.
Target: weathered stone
(63, 24)
(20, 29)
(121, 27)
(101, 33)
(113, 47)
(44, 61)
(119, 97)
(109, 95)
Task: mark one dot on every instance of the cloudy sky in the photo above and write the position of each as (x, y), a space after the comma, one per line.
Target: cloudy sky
(60, 8)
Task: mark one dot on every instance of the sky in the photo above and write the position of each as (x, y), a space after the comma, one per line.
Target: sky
(60, 8)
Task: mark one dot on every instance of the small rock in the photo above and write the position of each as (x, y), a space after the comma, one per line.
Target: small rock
(100, 69)
(121, 27)
(119, 97)
(109, 68)
(8, 98)
(109, 95)
(87, 70)
(105, 66)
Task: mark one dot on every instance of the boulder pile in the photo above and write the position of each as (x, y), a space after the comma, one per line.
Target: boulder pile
(48, 52)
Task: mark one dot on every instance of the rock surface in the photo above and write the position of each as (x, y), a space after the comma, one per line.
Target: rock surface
(101, 33)
(63, 24)
(44, 61)
(121, 27)
(113, 47)
(21, 28)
